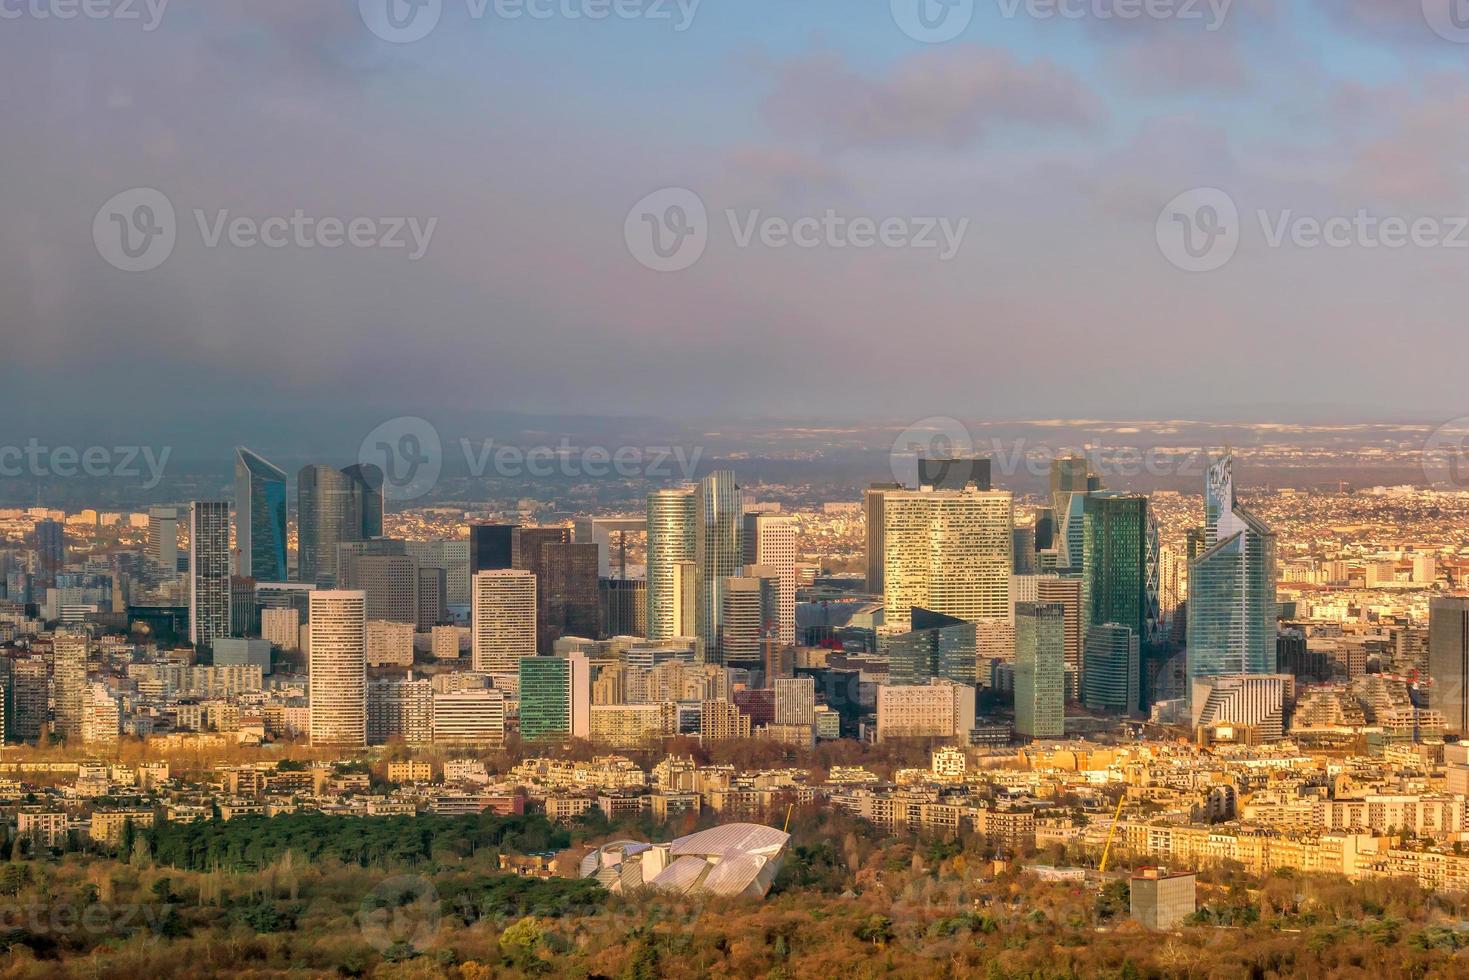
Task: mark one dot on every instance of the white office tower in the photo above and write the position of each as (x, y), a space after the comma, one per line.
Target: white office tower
(338, 668)
(163, 538)
(1241, 707)
(69, 684)
(101, 716)
(770, 542)
(504, 619)
(948, 551)
(209, 571)
(670, 549)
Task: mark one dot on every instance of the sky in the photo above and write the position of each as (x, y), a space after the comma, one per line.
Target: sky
(1065, 150)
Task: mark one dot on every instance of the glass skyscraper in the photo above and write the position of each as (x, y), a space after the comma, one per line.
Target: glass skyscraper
(938, 646)
(1231, 596)
(333, 506)
(1114, 583)
(670, 545)
(718, 550)
(1040, 670)
(260, 517)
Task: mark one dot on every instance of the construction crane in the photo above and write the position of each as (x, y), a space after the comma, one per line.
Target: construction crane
(787, 828)
(1116, 817)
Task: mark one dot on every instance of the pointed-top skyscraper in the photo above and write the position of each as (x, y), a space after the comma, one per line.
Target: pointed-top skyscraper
(260, 517)
(1231, 602)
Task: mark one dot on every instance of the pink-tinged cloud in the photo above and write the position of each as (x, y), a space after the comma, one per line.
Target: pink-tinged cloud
(950, 97)
(1179, 62)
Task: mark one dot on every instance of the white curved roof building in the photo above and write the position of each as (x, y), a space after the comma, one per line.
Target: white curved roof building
(735, 859)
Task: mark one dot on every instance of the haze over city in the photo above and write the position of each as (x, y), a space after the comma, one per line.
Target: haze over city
(734, 488)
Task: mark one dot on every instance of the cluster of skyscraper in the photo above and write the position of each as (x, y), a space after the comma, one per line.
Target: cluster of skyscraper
(720, 574)
(1070, 607)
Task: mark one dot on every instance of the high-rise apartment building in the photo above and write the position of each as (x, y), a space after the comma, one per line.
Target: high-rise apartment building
(1040, 670)
(1231, 602)
(260, 517)
(718, 548)
(209, 571)
(770, 542)
(69, 684)
(671, 515)
(504, 620)
(338, 668)
(948, 551)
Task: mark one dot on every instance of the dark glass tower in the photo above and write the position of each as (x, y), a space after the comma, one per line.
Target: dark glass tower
(260, 517)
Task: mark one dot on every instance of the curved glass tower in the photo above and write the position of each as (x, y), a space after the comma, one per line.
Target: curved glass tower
(260, 517)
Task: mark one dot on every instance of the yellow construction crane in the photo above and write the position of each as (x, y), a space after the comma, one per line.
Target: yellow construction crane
(1116, 817)
(787, 827)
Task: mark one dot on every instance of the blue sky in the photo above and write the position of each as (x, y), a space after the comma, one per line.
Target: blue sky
(1056, 142)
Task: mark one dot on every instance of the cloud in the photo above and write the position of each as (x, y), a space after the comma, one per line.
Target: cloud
(951, 98)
